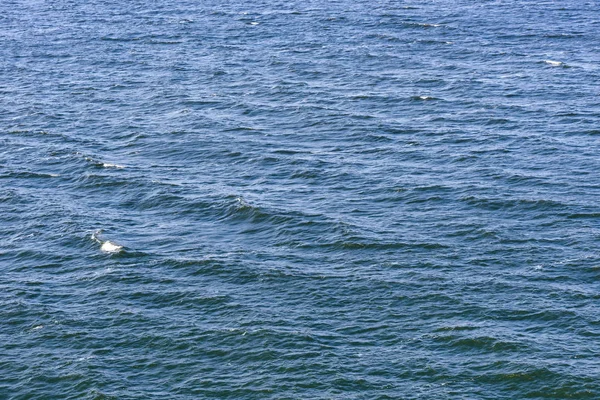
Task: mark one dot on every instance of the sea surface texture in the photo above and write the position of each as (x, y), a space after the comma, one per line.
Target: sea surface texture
(299, 200)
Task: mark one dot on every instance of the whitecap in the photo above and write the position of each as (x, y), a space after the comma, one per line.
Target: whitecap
(108, 165)
(424, 98)
(106, 245)
(554, 63)
(110, 247)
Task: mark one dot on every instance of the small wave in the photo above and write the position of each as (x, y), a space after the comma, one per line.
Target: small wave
(106, 246)
(104, 182)
(527, 374)
(306, 174)
(574, 35)
(584, 215)
(423, 98)
(110, 247)
(457, 328)
(100, 164)
(477, 343)
(497, 121)
(119, 39)
(164, 42)
(28, 175)
(555, 63)
(431, 41)
(358, 244)
(508, 204)
(421, 25)
(241, 210)
(109, 165)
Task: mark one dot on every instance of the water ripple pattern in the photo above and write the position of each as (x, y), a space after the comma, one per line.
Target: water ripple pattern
(299, 200)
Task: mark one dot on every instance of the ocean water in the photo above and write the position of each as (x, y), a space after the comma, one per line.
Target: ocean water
(299, 200)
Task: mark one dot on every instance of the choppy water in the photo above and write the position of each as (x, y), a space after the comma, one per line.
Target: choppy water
(317, 200)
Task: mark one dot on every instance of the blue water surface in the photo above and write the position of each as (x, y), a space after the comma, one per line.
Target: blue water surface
(299, 200)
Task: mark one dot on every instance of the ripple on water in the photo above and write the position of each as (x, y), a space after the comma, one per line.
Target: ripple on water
(325, 200)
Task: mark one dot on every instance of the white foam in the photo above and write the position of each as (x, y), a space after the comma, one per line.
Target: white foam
(106, 246)
(254, 23)
(110, 247)
(95, 235)
(554, 63)
(108, 165)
